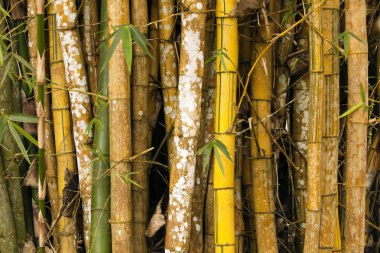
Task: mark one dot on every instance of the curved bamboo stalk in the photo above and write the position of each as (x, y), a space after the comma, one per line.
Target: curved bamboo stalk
(66, 15)
(330, 138)
(100, 241)
(168, 68)
(314, 139)
(187, 126)
(261, 143)
(227, 41)
(65, 151)
(9, 149)
(356, 159)
(140, 128)
(8, 241)
(120, 134)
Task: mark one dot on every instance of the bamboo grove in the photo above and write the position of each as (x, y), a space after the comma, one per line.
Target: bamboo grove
(227, 126)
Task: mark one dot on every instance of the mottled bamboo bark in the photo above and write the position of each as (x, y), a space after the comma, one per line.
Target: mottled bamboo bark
(200, 186)
(9, 149)
(261, 143)
(79, 101)
(8, 238)
(168, 67)
(299, 135)
(140, 128)
(356, 159)
(226, 82)
(186, 127)
(119, 92)
(90, 45)
(315, 132)
(330, 138)
(64, 145)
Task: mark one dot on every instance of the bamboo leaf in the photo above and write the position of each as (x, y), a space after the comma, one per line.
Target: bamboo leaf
(141, 40)
(127, 46)
(352, 109)
(25, 134)
(23, 62)
(219, 160)
(220, 145)
(356, 37)
(2, 128)
(206, 159)
(111, 49)
(18, 140)
(25, 118)
(127, 178)
(1, 57)
(4, 11)
(362, 94)
(5, 72)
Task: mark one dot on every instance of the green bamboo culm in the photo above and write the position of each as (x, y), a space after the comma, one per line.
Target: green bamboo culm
(41, 125)
(100, 241)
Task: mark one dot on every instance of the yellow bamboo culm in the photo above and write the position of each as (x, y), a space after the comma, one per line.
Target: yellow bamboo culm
(261, 142)
(226, 77)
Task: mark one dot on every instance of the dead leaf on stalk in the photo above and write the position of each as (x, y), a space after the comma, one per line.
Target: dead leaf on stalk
(31, 178)
(242, 5)
(156, 222)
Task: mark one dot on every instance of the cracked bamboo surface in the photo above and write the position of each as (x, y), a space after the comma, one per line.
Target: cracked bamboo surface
(64, 145)
(66, 17)
(187, 127)
(140, 128)
(226, 81)
(119, 92)
(356, 159)
(261, 143)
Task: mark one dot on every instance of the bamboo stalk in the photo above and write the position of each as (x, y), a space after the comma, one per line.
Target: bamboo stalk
(9, 151)
(168, 68)
(261, 143)
(154, 72)
(65, 150)
(356, 159)
(330, 138)
(227, 38)
(90, 44)
(66, 15)
(120, 134)
(299, 135)
(100, 200)
(314, 149)
(140, 128)
(41, 81)
(8, 241)
(187, 126)
(201, 175)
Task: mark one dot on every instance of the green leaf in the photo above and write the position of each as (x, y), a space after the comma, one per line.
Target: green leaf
(25, 134)
(25, 118)
(127, 47)
(220, 145)
(111, 49)
(1, 57)
(2, 128)
(127, 178)
(362, 93)
(356, 37)
(5, 72)
(206, 158)
(23, 62)
(141, 40)
(346, 41)
(352, 109)
(219, 160)
(18, 140)
(4, 11)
